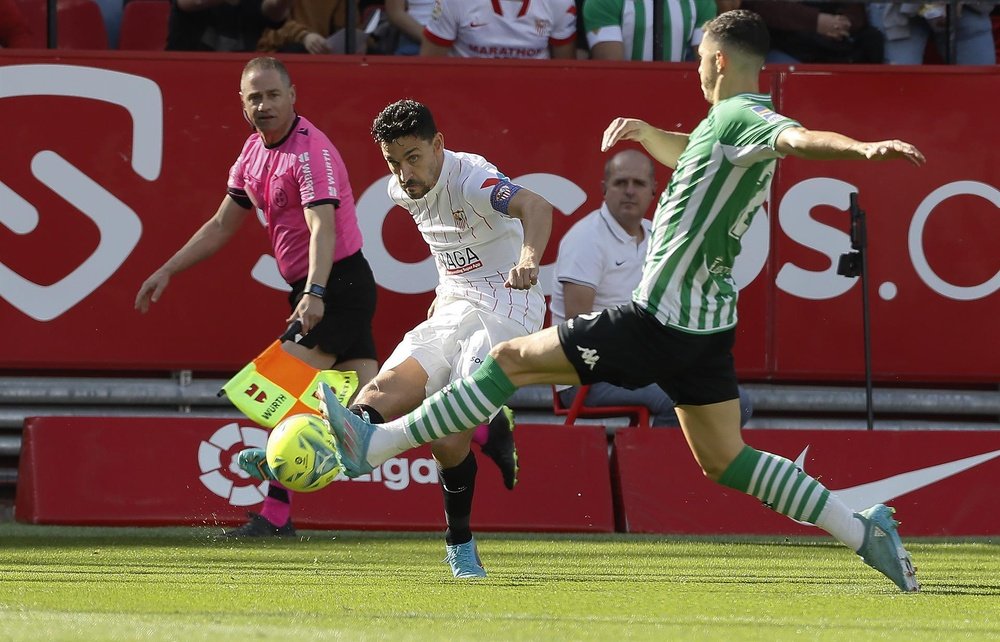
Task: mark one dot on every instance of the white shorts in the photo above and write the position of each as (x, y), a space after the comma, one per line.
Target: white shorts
(453, 342)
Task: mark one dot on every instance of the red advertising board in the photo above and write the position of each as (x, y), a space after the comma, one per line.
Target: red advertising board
(660, 489)
(119, 157)
(145, 472)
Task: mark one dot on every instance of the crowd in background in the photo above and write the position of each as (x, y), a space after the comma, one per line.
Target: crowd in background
(801, 32)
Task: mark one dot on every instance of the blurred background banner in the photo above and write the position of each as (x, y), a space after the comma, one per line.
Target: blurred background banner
(96, 198)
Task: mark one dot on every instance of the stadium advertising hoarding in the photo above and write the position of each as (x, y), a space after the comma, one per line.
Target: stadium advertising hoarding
(111, 471)
(940, 482)
(68, 465)
(117, 159)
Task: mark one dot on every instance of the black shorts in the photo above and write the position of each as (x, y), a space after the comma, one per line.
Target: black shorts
(626, 346)
(346, 327)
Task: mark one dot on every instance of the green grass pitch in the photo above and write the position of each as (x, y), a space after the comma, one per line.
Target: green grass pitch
(63, 583)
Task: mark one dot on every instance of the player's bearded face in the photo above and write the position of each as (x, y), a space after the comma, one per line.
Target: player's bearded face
(416, 163)
(707, 70)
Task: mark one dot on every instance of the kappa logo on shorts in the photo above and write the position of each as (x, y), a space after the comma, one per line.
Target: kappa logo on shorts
(589, 356)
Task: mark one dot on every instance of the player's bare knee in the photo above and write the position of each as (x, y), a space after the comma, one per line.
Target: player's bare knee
(507, 356)
(714, 473)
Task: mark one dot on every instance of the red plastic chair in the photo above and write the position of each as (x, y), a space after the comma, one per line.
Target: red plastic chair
(34, 14)
(144, 25)
(638, 415)
(81, 25)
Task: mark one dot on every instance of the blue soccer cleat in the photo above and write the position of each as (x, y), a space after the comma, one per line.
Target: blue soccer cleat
(464, 560)
(253, 461)
(883, 550)
(353, 434)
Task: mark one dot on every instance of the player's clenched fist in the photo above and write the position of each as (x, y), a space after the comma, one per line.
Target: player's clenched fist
(522, 277)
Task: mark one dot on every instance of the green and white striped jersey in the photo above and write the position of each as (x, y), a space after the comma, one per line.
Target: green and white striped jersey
(631, 22)
(721, 180)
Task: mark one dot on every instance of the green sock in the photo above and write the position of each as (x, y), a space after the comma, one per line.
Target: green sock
(778, 483)
(460, 405)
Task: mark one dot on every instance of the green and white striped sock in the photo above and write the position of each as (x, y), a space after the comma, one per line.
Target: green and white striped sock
(782, 486)
(459, 406)
(778, 483)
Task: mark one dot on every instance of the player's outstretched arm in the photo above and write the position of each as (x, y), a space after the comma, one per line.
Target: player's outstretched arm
(819, 145)
(215, 233)
(664, 146)
(536, 218)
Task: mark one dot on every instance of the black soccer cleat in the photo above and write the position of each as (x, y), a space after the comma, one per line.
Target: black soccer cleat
(258, 526)
(500, 446)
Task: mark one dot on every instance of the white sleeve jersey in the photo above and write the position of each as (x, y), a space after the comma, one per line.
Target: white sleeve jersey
(465, 222)
(502, 28)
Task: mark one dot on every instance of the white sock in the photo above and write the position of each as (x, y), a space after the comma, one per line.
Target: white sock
(839, 520)
(389, 440)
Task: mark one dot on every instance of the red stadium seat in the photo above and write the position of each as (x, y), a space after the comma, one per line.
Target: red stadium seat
(144, 25)
(81, 25)
(638, 415)
(34, 12)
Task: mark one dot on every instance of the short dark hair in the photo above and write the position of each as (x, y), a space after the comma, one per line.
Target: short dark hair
(742, 29)
(263, 63)
(404, 118)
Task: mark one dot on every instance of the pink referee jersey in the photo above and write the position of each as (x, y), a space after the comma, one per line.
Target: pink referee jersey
(502, 28)
(302, 170)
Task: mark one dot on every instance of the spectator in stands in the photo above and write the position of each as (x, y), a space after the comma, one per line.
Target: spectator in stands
(222, 25)
(313, 227)
(623, 29)
(501, 29)
(313, 26)
(818, 32)
(14, 31)
(600, 263)
(907, 28)
(409, 17)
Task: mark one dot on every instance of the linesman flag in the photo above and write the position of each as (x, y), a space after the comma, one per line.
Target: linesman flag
(276, 384)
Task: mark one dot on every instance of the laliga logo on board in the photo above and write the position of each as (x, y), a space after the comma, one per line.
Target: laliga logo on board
(232, 483)
(222, 478)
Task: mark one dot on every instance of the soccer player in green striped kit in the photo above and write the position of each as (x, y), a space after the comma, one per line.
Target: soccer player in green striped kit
(678, 331)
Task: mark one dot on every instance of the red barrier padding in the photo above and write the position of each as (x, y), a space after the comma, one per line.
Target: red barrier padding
(157, 471)
(942, 483)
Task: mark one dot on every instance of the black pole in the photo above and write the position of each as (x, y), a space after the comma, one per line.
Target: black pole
(51, 28)
(859, 243)
(951, 25)
(350, 28)
(852, 265)
(657, 31)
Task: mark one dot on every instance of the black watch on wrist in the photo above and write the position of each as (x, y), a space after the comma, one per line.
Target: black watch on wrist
(316, 290)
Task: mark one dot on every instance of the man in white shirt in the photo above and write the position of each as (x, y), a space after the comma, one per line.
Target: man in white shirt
(600, 263)
(520, 29)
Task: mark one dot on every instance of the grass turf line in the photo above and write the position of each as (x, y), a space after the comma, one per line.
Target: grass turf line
(65, 583)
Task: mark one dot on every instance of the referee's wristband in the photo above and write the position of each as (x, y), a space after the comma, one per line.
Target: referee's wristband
(316, 290)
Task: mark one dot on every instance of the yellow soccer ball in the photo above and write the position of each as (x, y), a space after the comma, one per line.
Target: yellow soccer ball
(301, 453)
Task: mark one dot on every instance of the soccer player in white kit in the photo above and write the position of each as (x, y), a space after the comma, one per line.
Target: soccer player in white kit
(487, 236)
